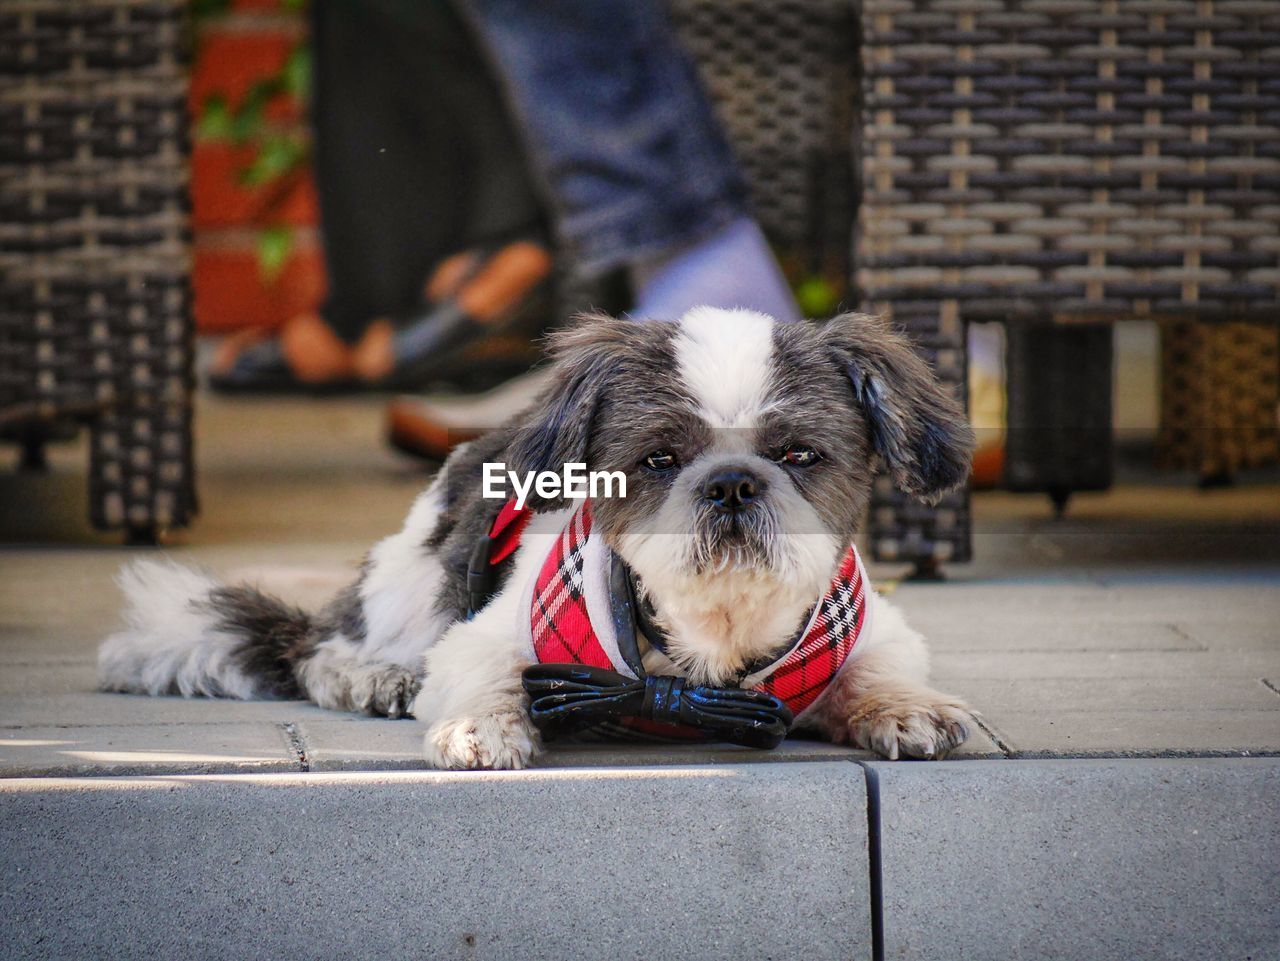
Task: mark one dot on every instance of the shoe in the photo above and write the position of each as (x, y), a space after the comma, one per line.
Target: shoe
(431, 427)
(304, 356)
(469, 298)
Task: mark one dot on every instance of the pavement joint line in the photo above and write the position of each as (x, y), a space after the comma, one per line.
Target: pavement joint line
(874, 863)
(1269, 685)
(1076, 650)
(1181, 632)
(991, 732)
(1143, 710)
(1172, 754)
(297, 745)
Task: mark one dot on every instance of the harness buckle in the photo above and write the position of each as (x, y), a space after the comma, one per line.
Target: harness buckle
(479, 576)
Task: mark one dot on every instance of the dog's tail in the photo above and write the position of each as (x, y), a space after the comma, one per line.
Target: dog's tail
(187, 634)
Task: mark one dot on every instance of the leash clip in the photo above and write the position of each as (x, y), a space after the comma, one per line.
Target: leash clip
(564, 697)
(479, 576)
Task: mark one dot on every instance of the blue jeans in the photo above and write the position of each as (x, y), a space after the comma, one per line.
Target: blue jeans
(622, 141)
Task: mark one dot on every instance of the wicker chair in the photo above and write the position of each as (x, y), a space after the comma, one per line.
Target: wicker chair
(1033, 161)
(95, 327)
(782, 75)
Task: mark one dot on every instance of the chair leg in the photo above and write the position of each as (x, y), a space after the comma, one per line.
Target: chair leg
(1059, 409)
(141, 478)
(34, 459)
(902, 528)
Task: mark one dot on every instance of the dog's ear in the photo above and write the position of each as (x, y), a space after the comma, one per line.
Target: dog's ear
(917, 425)
(557, 429)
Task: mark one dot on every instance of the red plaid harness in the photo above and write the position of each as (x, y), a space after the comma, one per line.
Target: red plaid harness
(562, 630)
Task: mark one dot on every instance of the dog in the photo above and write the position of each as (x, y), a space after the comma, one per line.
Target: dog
(748, 447)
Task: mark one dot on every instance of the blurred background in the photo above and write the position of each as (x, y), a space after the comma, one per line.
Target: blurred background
(1075, 212)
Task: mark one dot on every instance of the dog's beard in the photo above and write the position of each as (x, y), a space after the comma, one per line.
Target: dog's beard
(730, 543)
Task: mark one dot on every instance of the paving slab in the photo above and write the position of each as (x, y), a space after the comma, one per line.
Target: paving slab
(144, 749)
(66, 676)
(1168, 694)
(157, 742)
(1026, 631)
(1073, 715)
(1156, 611)
(1135, 859)
(87, 708)
(1242, 633)
(366, 744)
(1085, 665)
(731, 861)
(1069, 733)
(1142, 622)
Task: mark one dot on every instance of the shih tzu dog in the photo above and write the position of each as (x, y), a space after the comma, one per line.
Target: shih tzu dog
(746, 449)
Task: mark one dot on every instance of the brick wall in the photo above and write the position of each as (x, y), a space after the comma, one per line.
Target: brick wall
(252, 39)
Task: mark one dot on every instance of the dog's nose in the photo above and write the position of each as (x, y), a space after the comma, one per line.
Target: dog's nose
(732, 489)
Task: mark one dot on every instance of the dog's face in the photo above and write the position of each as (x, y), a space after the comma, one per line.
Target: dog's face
(749, 446)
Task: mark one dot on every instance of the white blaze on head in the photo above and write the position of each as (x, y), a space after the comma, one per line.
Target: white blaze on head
(724, 359)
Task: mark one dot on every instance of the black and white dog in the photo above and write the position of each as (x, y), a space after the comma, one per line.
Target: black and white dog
(748, 448)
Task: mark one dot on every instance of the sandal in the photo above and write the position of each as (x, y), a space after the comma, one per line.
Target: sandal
(304, 356)
(431, 427)
(470, 297)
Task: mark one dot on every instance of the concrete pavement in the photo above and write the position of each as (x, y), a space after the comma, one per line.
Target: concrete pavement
(1126, 661)
(1080, 859)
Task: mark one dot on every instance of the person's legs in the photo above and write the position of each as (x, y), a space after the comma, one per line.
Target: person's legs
(734, 267)
(416, 161)
(634, 165)
(415, 157)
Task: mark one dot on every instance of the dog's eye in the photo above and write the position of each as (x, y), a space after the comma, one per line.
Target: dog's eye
(660, 460)
(799, 456)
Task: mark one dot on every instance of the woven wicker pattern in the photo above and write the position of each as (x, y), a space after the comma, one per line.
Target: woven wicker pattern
(783, 77)
(95, 320)
(1104, 158)
(901, 527)
(1219, 397)
(1087, 158)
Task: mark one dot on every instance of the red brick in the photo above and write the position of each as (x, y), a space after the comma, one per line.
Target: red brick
(218, 199)
(229, 63)
(230, 292)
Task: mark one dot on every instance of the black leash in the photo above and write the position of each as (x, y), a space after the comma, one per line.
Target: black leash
(567, 697)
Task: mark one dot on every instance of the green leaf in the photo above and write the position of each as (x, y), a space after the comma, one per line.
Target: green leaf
(296, 73)
(278, 156)
(247, 121)
(816, 296)
(215, 118)
(293, 4)
(274, 246)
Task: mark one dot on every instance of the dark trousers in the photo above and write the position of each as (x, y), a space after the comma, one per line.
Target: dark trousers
(415, 155)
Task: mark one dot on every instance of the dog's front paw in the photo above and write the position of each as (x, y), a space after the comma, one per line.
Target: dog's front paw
(901, 726)
(385, 692)
(494, 741)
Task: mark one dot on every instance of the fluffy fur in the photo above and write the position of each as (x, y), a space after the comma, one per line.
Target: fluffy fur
(719, 392)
